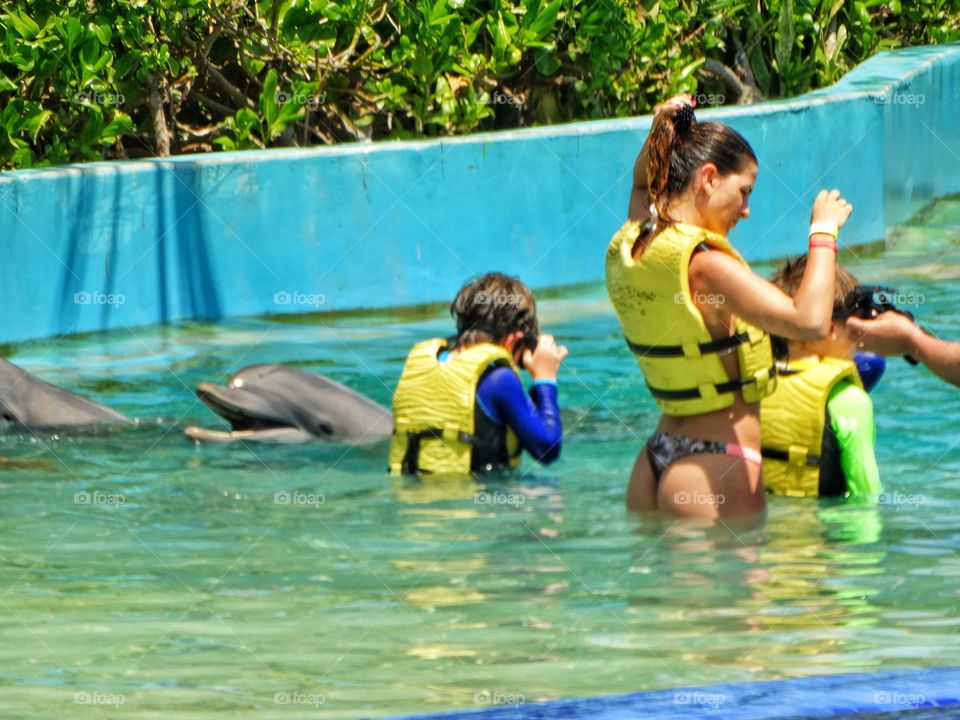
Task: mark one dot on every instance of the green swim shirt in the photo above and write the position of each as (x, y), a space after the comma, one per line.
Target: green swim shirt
(851, 415)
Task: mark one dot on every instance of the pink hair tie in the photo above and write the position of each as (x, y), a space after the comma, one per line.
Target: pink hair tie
(832, 244)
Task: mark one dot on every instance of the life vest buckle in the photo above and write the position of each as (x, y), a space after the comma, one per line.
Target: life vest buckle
(691, 349)
(763, 377)
(708, 391)
(451, 433)
(797, 456)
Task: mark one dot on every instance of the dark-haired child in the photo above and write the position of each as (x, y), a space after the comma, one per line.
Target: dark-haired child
(817, 428)
(460, 405)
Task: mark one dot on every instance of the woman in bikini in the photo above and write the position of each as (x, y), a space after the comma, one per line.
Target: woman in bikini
(698, 320)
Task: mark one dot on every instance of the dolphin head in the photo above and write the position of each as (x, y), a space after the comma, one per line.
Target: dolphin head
(28, 402)
(277, 403)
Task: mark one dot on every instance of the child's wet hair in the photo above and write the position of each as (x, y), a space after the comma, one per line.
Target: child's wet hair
(789, 276)
(491, 307)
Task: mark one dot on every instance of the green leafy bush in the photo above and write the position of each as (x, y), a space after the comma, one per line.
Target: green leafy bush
(93, 79)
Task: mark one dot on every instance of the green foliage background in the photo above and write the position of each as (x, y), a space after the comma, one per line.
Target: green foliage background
(94, 79)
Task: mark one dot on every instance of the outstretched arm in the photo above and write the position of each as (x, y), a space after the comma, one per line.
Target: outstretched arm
(893, 333)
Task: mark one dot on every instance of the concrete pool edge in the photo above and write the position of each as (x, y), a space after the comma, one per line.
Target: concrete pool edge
(815, 696)
(135, 243)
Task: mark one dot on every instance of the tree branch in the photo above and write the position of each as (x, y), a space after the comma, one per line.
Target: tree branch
(742, 92)
(214, 105)
(161, 133)
(205, 66)
(229, 88)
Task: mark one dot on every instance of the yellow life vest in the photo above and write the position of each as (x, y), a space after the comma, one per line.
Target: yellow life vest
(665, 330)
(434, 409)
(792, 422)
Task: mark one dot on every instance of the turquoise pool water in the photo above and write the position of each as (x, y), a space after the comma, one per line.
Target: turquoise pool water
(143, 573)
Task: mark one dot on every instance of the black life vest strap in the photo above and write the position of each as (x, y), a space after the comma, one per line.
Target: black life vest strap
(714, 346)
(784, 456)
(411, 458)
(694, 393)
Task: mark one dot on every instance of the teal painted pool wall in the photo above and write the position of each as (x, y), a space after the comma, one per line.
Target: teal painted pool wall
(112, 245)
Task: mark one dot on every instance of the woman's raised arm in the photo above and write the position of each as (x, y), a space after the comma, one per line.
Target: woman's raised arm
(730, 286)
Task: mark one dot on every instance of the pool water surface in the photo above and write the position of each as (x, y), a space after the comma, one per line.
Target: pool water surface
(141, 572)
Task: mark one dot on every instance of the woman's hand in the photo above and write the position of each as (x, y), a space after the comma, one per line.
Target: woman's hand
(830, 207)
(544, 362)
(673, 104)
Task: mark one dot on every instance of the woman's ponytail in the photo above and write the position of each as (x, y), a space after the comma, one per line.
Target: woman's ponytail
(659, 151)
(678, 146)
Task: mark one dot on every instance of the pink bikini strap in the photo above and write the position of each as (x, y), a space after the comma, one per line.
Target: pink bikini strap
(748, 454)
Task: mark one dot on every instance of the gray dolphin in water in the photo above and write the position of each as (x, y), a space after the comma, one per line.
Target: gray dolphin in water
(276, 403)
(29, 402)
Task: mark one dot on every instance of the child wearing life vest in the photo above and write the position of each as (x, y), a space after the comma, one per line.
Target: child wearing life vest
(817, 428)
(460, 406)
